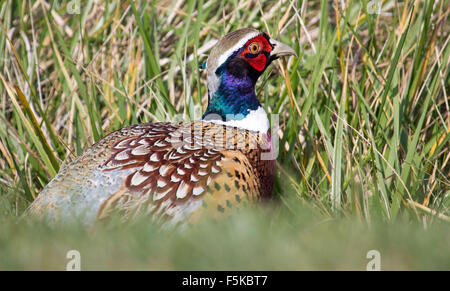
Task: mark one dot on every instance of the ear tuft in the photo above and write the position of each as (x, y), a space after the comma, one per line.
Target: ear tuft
(203, 66)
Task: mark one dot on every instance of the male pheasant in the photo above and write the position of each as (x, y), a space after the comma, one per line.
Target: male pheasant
(179, 171)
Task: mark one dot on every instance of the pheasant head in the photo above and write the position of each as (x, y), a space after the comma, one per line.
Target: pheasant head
(233, 67)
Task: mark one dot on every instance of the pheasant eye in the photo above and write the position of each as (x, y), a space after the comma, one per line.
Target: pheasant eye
(253, 48)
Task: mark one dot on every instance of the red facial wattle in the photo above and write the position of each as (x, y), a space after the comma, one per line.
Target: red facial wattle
(258, 62)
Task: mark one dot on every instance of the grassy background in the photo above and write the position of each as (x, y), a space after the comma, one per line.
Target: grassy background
(363, 115)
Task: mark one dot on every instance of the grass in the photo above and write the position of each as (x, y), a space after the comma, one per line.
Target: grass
(303, 241)
(363, 122)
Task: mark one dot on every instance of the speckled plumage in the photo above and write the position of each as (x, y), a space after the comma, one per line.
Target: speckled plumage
(161, 169)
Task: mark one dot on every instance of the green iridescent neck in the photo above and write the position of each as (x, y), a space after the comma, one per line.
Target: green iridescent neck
(234, 98)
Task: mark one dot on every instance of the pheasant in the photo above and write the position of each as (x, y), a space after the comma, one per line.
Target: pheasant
(178, 172)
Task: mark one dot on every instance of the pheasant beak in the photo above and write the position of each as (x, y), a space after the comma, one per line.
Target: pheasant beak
(280, 50)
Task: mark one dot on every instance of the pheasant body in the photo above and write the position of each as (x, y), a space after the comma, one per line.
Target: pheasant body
(180, 171)
(162, 169)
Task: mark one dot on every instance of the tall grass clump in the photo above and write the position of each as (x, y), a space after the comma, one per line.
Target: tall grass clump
(363, 111)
